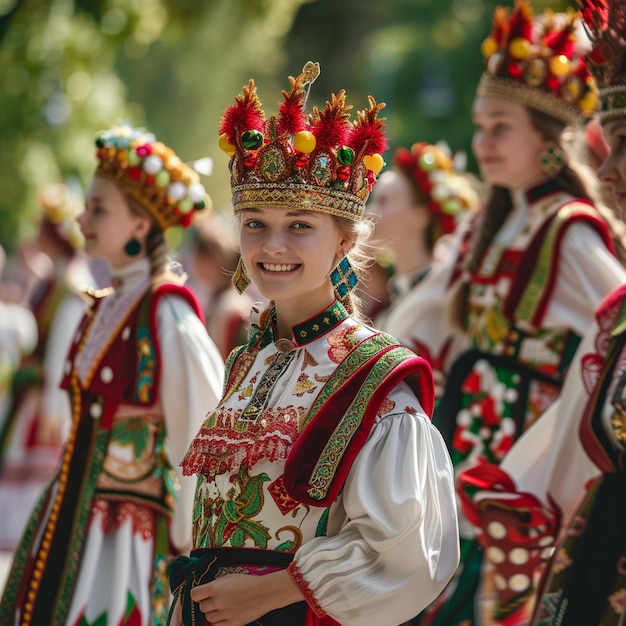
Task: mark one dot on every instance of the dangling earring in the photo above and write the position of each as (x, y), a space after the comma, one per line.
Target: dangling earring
(343, 278)
(133, 247)
(552, 160)
(240, 278)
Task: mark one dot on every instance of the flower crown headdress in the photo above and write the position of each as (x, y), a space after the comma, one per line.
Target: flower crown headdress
(606, 24)
(320, 162)
(537, 62)
(431, 169)
(151, 173)
(60, 208)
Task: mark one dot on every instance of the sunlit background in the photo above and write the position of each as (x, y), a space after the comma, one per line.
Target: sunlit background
(71, 68)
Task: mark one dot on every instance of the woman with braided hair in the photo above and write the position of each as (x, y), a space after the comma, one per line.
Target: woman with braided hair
(525, 274)
(140, 373)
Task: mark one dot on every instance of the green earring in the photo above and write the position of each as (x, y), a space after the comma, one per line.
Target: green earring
(343, 278)
(133, 247)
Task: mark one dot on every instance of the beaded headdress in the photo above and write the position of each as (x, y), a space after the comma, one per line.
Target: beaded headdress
(151, 173)
(539, 62)
(60, 208)
(319, 162)
(431, 169)
(606, 21)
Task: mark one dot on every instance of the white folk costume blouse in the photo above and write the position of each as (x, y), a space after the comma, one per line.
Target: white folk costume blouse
(531, 300)
(141, 374)
(322, 451)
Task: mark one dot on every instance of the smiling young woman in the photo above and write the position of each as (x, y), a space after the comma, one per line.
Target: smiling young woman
(324, 493)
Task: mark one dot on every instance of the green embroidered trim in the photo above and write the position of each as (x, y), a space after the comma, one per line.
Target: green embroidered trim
(358, 357)
(328, 463)
(531, 298)
(320, 324)
(146, 356)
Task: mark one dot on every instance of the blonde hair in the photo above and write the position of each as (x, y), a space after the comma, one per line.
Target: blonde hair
(360, 258)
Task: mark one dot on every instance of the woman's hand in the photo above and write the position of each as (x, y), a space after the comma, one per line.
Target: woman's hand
(238, 599)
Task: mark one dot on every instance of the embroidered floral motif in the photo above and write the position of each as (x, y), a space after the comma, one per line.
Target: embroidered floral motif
(146, 367)
(386, 407)
(219, 521)
(223, 442)
(304, 385)
(410, 409)
(246, 392)
(283, 500)
(341, 342)
(114, 514)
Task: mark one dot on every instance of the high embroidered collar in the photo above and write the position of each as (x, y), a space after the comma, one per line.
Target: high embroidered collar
(534, 191)
(130, 276)
(303, 333)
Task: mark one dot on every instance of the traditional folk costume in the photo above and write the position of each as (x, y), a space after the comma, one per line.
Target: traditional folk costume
(141, 373)
(321, 457)
(548, 485)
(540, 279)
(448, 197)
(25, 463)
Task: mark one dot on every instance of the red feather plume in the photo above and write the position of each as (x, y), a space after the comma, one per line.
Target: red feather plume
(245, 114)
(561, 41)
(500, 29)
(292, 118)
(368, 133)
(521, 22)
(331, 125)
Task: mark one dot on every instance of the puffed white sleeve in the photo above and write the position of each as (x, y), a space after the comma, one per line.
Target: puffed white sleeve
(399, 545)
(56, 402)
(549, 459)
(191, 372)
(587, 272)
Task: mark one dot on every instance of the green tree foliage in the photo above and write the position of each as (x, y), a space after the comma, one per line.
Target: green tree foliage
(421, 57)
(69, 68)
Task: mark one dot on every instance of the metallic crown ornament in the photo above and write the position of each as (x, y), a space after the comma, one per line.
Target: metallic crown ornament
(606, 24)
(151, 173)
(319, 162)
(431, 169)
(539, 62)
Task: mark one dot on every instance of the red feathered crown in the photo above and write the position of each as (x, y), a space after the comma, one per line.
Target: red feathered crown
(606, 22)
(319, 162)
(448, 194)
(539, 62)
